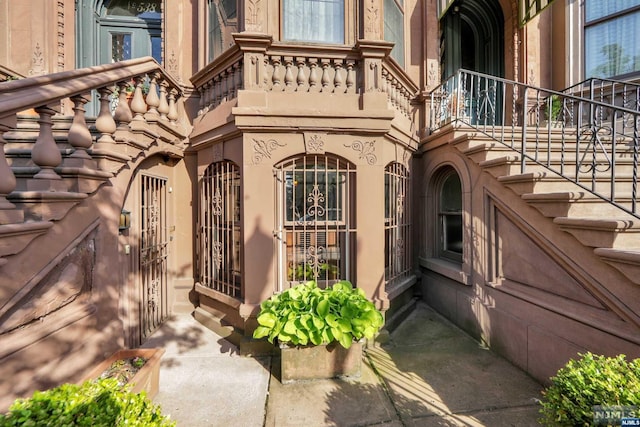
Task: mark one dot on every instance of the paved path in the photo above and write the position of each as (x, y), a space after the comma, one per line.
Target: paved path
(429, 374)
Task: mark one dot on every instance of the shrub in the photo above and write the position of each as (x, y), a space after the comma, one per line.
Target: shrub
(587, 382)
(100, 403)
(308, 315)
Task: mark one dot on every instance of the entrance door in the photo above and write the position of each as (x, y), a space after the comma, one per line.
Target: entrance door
(473, 38)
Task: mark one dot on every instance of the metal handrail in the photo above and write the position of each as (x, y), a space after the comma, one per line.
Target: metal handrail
(622, 93)
(591, 143)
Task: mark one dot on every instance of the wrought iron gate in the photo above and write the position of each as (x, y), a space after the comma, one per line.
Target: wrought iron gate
(153, 299)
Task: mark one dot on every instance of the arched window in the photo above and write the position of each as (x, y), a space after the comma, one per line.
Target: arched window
(316, 221)
(450, 221)
(219, 258)
(397, 224)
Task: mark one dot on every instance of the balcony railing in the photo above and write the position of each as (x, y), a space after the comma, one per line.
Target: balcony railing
(591, 143)
(260, 64)
(608, 91)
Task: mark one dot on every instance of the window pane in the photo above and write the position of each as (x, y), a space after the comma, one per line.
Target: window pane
(600, 8)
(451, 197)
(223, 23)
(394, 29)
(613, 47)
(314, 20)
(156, 48)
(452, 228)
(120, 46)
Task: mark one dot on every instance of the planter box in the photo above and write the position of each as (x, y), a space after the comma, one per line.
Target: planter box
(320, 362)
(147, 378)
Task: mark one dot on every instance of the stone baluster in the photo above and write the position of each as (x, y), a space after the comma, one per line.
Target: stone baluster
(216, 94)
(351, 78)
(207, 96)
(384, 83)
(275, 79)
(224, 86)
(123, 115)
(163, 108)
(313, 75)
(79, 136)
(232, 81)
(202, 92)
(138, 106)
(288, 74)
(105, 124)
(173, 108)
(325, 80)
(45, 152)
(301, 78)
(152, 99)
(238, 76)
(337, 79)
(7, 178)
(394, 92)
(230, 88)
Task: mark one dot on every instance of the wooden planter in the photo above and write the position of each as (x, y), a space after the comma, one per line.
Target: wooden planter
(320, 362)
(147, 378)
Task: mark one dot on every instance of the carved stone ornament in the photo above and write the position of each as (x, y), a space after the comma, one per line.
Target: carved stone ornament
(253, 22)
(372, 28)
(262, 149)
(314, 143)
(365, 149)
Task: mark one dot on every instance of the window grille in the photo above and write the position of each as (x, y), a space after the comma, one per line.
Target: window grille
(220, 229)
(315, 229)
(397, 225)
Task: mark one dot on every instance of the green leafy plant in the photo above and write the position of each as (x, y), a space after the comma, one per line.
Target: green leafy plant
(100, 403)
(582, 384)
(554, 112)
(307, 315)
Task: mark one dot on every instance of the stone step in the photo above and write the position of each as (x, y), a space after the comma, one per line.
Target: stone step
(603, 233)
(574, 204)
(627, 261)
(544, 181)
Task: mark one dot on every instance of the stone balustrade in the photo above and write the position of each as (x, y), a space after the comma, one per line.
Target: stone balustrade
(146, 97)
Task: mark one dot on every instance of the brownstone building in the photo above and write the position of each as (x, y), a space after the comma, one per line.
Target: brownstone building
(198, 156)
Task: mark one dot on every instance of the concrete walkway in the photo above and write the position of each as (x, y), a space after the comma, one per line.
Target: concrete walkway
(429, 374)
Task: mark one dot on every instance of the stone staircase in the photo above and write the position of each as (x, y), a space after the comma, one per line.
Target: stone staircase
(610, 229)
(55, 160)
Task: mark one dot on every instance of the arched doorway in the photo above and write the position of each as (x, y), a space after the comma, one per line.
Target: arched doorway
(472, 37)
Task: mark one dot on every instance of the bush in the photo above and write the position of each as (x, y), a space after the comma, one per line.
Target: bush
(587, 382)
(94, 403)
(308, 315)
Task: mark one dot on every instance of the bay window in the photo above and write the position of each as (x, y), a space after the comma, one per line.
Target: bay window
(318, 21)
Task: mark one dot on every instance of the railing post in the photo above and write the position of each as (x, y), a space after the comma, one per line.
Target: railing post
(105, 124)
(79, 136)
(45, 152)
(523, 139)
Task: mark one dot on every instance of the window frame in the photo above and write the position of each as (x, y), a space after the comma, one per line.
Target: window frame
(401, 46)
(441, 229)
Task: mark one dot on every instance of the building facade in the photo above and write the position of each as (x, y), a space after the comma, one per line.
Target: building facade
(198, 156)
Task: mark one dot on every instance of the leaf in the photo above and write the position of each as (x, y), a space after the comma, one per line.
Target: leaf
(323, 308)
(261, 332)
(345, 340)
(290, 327)
(267, 319)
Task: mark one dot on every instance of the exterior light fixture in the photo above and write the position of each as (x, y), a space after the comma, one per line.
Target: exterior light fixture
(125, 220)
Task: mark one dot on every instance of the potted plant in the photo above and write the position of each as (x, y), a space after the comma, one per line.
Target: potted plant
(139, 368)
(102, 402)
(553, 111)
(319, 331)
